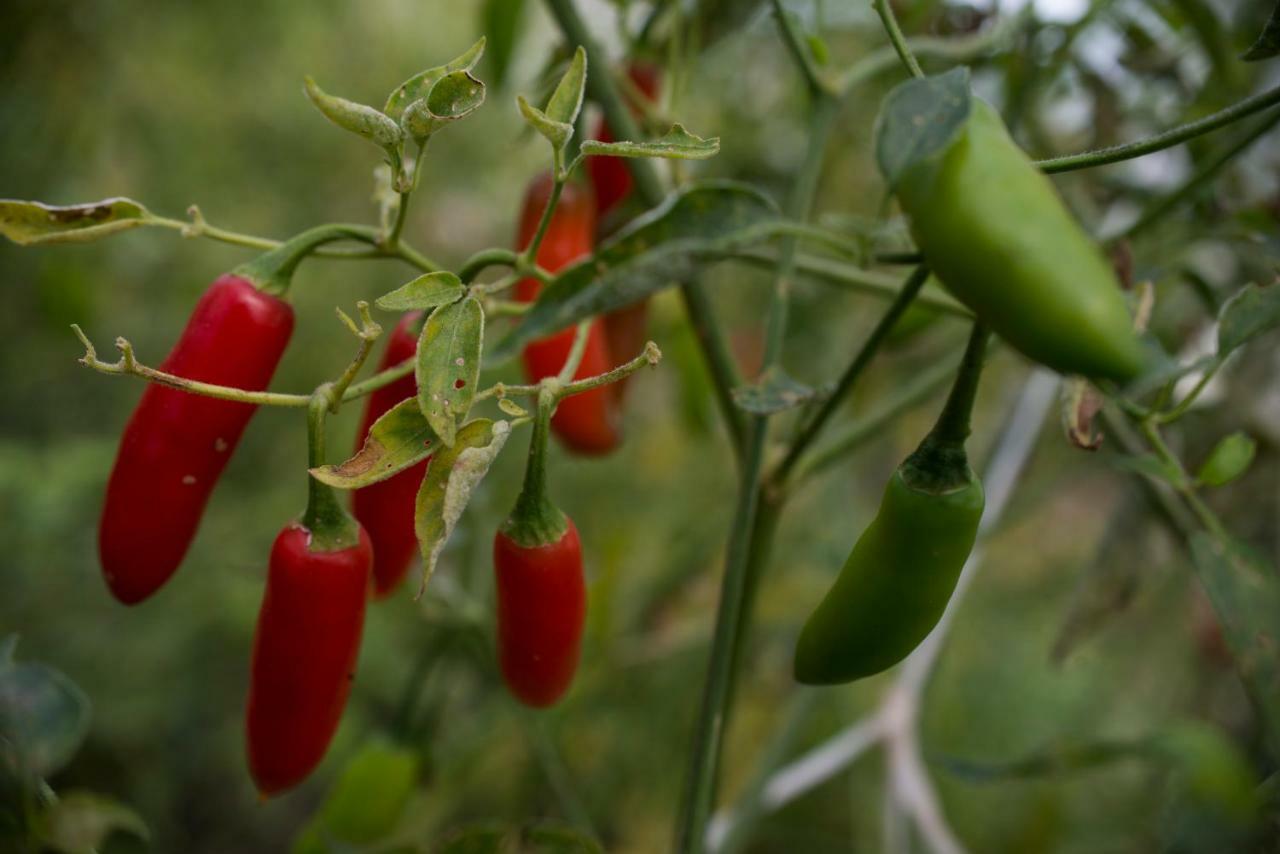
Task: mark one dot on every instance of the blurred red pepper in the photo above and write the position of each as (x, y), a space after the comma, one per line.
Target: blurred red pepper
(176, 444)
(587, 422)
(386, 508)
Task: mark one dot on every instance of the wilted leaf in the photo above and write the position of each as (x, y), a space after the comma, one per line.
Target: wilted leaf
(399, 439)
(453, 476)
(448, 364)
(677, 144)
(427, 291)
(28, 223)
(690, 230)
(1080, 406)
(1229, 459)
(919, 120)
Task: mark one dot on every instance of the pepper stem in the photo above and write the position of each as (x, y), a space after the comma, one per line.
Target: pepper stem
(272, 271)
(535, 520)
(332, 527)
(940, 464)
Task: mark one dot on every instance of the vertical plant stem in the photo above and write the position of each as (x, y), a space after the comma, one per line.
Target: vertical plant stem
(885, 11)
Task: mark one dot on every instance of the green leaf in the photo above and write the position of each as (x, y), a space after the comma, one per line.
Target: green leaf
(1228, 460)
(1245, 591)
(448, 365)
(81, 822)
(919, 121)
(693, 228)
(1210, 768)
(28, 223)
(1151, 466)
(1268, 43)
(427, 291)
(774, 391)
(365, 803)
(399, 439)
(44, 715)
(451, 478)
(360, 119)
(455, 96)
(1249, 312)
(419, 85)
(502, 19)
(677, 144)
(555, 122)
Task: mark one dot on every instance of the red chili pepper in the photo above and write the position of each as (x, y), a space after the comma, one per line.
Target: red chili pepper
(304, 654)
(386, 508)
(176, 444)
(587, 422)
(542, 605)
(611, 179)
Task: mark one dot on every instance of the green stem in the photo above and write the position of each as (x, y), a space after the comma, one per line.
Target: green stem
(529, 254)
(576, 351)
(484, 259)
(331, 527)
(1167, 139)
(1203, 175)
(910, 289)
(720, 362)
(535, 520)
(1186, 484)
(952, 426)
(800, 55)
(368, 333)
(885, 11)
(651, 355)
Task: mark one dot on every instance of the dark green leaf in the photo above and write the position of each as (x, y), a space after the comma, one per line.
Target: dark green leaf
(399, 439)
(1251, 311)
(919, 120)
(1210, 769)
(427, 291)
(43, 714)
(448, 365)
(81, 822)
(360, 119)
(677, 144)
(420, 84)
(774, 391)
(502, 20)
(1229, 459)
(1245, 592)
(493, 838)
(27, 223)
(1268, 43)
(451, 478)
(691, 229)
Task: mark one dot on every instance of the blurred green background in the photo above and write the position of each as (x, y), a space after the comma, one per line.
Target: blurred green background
(174, 104)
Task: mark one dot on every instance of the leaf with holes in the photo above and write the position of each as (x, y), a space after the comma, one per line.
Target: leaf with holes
(451, 478)
(28, 223)
(920, 119)
(1250, 312)
(427, 291)
(448, 365)
(419, 85)
(677, 144)
(695, 227)
(399, 439)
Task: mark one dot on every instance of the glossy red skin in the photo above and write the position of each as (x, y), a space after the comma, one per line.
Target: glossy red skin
(610, 176)
(386, 508)
(304, 655)
(542, 608)
(611, 179)
(587, 422)
(176, 444)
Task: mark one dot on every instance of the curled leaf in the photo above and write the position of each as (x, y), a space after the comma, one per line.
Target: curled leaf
(360, 119)
(677, 144)
(455, 96)
(399, 439)
(419, 85)
(28, 223)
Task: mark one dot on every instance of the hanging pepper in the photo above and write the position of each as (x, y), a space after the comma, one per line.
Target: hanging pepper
(541, 594)
(588, 422)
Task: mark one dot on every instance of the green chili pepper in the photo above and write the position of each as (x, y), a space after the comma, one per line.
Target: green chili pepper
(996, 233)
(903, 569)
